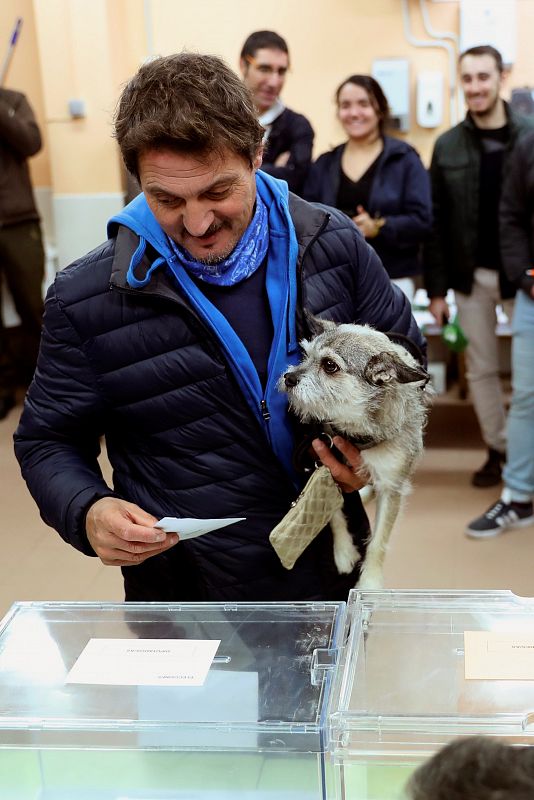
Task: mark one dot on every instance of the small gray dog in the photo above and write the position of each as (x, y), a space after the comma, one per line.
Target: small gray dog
(354, 381)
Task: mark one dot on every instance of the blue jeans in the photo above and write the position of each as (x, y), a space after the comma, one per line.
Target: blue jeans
(518, 473)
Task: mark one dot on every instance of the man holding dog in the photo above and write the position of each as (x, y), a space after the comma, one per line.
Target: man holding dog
(169, 340)
(463, 253)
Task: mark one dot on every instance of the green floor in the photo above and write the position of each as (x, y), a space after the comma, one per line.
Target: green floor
(142, 775)
(107, 775)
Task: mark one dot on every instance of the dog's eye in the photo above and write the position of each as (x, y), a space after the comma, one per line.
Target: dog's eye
(329, 366)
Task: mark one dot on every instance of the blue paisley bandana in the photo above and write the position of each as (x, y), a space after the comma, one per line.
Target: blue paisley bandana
(242, 262)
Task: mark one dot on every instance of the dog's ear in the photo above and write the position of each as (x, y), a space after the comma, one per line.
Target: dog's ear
(317, 325)
(385, 368)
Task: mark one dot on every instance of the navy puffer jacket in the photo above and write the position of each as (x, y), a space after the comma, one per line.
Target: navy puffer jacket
(139, 366)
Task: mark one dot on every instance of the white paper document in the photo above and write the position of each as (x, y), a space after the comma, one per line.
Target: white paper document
(499, 656)
(188, 528)
(144, 662)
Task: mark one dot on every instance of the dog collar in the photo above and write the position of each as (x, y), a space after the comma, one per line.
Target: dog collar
(364, 442)
(303, 456)
(361, 442)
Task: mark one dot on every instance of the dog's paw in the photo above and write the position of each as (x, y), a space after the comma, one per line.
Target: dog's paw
(346, 556)
(370, 579)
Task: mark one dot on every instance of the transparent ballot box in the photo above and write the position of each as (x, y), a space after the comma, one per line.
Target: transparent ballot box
(254, 725)
(421, 668)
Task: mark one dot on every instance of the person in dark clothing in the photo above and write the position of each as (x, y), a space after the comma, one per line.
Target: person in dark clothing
(169, 340)
(475, 768)
(378, 181)
(515, 507)
(463, 253)
(288, 137)
(21, 246)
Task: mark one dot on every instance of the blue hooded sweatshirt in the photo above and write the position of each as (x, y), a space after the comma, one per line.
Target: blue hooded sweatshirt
(269, 405)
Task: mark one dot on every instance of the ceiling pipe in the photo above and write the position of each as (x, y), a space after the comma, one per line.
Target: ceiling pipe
(441, 44)
(453, 37)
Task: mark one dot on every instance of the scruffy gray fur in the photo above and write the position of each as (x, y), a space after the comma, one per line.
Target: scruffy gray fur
(354, 381)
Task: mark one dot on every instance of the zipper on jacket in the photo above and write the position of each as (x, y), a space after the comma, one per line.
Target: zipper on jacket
(300, 266)
(266, 414)
(326, 220)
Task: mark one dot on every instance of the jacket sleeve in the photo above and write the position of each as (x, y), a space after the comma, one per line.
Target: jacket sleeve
(312, 186)
(18, 128)
(317, 187)
(57, 441)
(435, 271)
(300, 154)
(516, 217)
(413, 224)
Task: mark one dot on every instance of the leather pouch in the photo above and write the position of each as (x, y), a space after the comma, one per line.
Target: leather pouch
(308, 515)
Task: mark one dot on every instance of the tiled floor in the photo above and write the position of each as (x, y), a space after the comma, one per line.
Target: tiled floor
(428, 548)
(35, 563)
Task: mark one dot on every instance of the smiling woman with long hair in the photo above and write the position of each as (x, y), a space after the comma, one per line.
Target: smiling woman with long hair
(377, 180)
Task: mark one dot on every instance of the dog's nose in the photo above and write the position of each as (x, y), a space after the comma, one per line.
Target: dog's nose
(290, 379)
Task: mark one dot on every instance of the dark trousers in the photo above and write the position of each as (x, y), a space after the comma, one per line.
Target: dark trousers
(22, 265)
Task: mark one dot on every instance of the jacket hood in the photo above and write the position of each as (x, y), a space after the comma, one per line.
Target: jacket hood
(138, 218)
(392, 148)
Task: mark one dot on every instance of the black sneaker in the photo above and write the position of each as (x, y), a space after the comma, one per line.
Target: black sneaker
(501, 516)
(490, 473)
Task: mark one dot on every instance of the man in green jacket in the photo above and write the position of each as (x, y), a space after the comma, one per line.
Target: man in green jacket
(21, 246)
(463, 252)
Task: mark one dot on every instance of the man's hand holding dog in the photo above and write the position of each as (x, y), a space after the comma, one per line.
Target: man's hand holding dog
(347, 476)
(122, 534)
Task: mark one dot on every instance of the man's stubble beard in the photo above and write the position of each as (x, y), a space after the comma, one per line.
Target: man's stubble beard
(211, 260)
(488, 111)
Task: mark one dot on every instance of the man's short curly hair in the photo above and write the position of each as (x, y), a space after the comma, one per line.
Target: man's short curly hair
(189, 103)
(484, 50)
(475, 768)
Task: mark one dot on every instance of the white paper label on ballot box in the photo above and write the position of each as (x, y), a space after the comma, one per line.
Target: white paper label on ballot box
(499, 656)
(144, 662)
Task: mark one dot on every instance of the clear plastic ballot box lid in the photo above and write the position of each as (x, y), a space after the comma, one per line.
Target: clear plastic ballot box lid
(421, 668)
(267, 686)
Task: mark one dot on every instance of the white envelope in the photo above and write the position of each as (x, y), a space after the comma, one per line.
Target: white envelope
(188, 528)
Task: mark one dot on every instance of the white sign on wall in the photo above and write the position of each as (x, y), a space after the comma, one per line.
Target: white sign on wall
(489, 22)
(393, 75)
